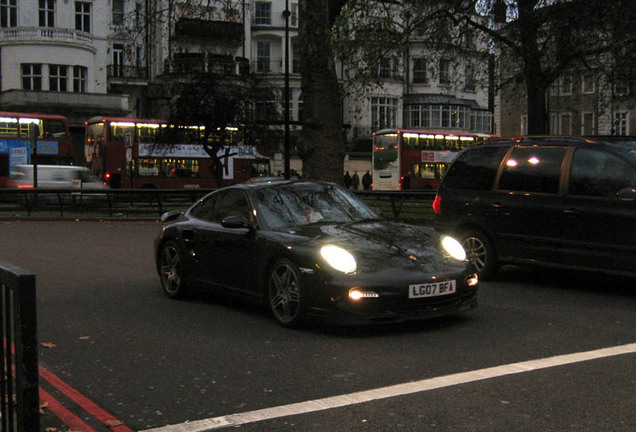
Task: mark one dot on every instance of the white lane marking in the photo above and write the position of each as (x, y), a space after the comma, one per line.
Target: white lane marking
(215, 423)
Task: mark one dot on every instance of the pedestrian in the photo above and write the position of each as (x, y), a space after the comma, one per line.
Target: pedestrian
(355, 181)
(347, 180)
(366, 181)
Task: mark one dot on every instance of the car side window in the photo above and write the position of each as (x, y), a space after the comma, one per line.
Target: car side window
(205, 209)
(533, 169)
(231, 203)
(475, 169)
(222, 204)
(599, 174)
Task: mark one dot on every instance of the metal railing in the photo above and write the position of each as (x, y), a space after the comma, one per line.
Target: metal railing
(409, 206)
(19, 387)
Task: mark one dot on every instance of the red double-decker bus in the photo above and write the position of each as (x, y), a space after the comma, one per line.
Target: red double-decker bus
(128, 153)
(18, 132)
(416, 158)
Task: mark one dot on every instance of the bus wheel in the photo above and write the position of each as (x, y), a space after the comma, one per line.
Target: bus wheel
(170, 271)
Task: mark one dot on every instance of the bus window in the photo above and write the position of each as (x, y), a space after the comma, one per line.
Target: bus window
(148, 133)
(53, 129)
(118, 130)
(410, 141)
(8, 126)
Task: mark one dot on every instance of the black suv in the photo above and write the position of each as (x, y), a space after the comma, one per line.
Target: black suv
(563, 202)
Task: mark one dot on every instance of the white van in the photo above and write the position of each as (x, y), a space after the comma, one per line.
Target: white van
(56, 177)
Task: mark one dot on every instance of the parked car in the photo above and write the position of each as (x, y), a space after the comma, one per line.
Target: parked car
(312, 249)
(569, 203)
(55, 177)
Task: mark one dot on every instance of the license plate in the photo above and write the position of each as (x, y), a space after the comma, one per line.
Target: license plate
(432, 289)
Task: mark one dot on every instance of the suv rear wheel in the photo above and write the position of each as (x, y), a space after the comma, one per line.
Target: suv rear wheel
(481, 253)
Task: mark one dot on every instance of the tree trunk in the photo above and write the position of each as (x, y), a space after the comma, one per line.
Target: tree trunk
(322, 140)
(536, 81)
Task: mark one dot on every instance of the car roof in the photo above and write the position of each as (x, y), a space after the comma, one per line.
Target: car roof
(253, 185)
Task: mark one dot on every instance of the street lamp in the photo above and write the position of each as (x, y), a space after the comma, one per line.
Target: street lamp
(286, 14)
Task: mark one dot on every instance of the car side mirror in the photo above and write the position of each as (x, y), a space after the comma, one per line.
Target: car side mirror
(171, 215)
(627, 194)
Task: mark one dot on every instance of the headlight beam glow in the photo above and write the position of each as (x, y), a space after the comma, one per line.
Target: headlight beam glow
(338, 258)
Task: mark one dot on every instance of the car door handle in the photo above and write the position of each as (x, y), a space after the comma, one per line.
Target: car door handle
(496, 205)
(571, 212)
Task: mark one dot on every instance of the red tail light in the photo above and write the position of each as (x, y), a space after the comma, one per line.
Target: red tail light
(25, 186)
(437, 204)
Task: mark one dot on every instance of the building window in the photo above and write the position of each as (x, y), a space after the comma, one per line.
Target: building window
(263, 13)
(469, 78)
(118, 12)
(295, 57)
(481, 121)
(444, 72)
(387, 68)
(118, 60)
(58, 78)
(621, 123)
(588, 85)
(562, 86)
(83, 16)
(565, 124)
(46, 9)
(262, 57)
(8, 13)
(293, 18)
(139, 15)
(587, 123)
(80, 74)
(383, 112)
(419, 71)
(561, 124)
(31, 76)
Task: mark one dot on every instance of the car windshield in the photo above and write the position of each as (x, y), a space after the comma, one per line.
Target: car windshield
(304, 203)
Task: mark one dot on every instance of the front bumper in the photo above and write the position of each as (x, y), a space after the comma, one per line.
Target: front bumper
(391, 305)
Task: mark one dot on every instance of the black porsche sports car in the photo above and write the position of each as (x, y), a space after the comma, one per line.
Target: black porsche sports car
(309, 248)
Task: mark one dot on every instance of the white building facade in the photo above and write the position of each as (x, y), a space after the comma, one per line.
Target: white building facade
(116, 57)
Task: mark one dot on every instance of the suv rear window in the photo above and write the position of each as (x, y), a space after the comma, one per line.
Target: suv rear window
(533, 169)
(475, 168)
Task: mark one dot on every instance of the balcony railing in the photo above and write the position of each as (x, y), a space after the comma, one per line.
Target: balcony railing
(201, 63)
(127, 72)
(270, 66)
(48, 34)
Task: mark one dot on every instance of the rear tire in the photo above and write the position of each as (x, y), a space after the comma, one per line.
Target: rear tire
(481, 254)
(170, 271)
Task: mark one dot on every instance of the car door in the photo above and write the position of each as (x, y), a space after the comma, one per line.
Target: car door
(225, 256)
(526, 204)
(232, 253)
(600, 226)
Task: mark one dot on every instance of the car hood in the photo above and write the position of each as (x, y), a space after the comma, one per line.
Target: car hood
(380, 245)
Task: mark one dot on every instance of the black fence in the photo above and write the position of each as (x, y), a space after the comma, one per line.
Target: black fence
(408, 206)
(19, 387)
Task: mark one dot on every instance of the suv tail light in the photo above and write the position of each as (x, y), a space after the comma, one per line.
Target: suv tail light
(437, 204)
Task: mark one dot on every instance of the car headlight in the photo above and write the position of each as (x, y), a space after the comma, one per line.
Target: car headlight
(454, 248)
(338, 258)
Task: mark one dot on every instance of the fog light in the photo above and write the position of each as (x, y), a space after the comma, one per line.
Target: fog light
(472, 280)
(356, 294)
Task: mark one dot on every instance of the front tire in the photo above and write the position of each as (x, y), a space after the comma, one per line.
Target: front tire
(170, 271)
(481, 254)
(284, 294)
